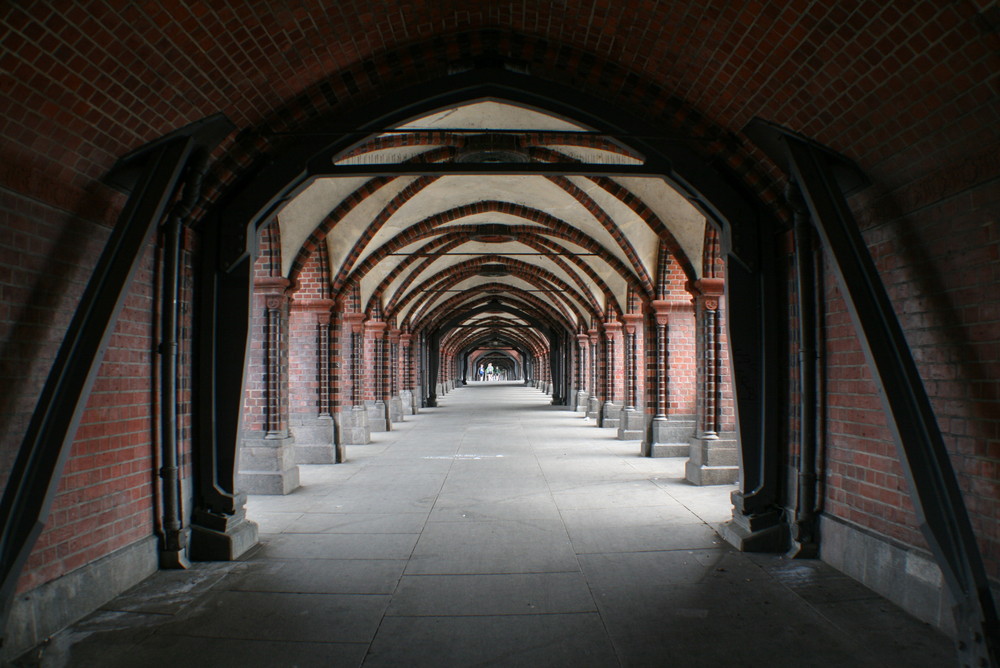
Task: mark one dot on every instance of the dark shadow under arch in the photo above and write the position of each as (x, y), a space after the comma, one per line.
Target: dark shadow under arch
(748, 228)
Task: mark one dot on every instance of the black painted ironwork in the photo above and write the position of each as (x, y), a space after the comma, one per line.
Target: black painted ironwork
(152, 173)
(937, 498)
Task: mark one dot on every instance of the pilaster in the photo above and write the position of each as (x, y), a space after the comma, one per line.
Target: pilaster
(267, 460)
(612, 407)
(669, 433)
(714, 457)
(632, 420)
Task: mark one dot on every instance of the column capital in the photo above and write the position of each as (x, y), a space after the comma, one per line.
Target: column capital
(376, 327)
(582, 339)
(710, 287)
(611, 327)
(394, 335)
(355, 321)
(632, 321)
(663, 309)
(271, 285)
(593, 335)
(406, 339)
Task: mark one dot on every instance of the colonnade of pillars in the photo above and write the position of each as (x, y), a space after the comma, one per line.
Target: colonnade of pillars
(321, 379)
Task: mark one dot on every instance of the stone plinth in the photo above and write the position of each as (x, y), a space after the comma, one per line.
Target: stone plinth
(714, 461)
(594, 409)
(376, 416)
(582, 404)
(395, 409)
(631, 425)
(354, 426)
(221, 537)
(268, 466)
(671, 437)
(314, 440)
(611, 415)
(409, 403)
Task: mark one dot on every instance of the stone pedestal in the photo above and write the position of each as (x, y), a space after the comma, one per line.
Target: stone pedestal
(594, 409)
(220, 537)
(714, 461)
(409, 403)
(755, 532)
(395, 409)
(631, 425)
(354, 426)
(376, 416)
(268, 466)
(611, 415)
(314, 440)
(582, 403)
(671, 437)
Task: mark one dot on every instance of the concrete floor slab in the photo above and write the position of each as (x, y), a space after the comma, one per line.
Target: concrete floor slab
(327, 576)
(338, 546)
(527, 546)
(282, 616)
(507, 594)
(429, 548)
(510, 640)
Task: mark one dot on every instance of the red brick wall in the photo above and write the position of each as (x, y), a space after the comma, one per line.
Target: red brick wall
(105, 498)
(906, 89)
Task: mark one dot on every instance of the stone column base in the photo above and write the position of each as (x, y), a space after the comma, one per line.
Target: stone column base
(714, 461)
(376, 416)
(218, 537)
(582, 402)
(314, 441)
(395, 409)
(611, 415)
(594, 409)
(631, 425)
(267, 466)
(354, 426)
(671, 437)
(764, 532)
(408, 402)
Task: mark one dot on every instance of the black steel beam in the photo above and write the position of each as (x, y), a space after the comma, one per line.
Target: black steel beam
(153, 173)
(324, 168)
(934, 489)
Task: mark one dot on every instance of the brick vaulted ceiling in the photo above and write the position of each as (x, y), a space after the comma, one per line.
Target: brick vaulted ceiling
(87, 82)
(410, 243)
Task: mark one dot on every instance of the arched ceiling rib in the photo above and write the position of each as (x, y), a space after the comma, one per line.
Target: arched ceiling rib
(566, 249)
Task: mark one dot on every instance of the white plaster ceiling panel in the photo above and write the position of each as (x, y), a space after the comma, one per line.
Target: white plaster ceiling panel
(598, 156)
(491, 115)
(301, 215)
(449, 192)
(643, 239)
(685, 221)
(346, 233)
(385, 156)
(494, 217)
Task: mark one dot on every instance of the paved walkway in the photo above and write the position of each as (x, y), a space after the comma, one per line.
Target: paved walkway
(496, 530)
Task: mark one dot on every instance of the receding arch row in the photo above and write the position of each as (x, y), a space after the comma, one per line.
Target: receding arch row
(256, 198)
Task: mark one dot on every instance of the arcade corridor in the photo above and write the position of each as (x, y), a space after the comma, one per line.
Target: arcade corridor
(498, 530)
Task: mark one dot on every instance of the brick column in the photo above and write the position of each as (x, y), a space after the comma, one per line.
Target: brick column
(395, 403)
(675, 421)
(407, 396)
(310, 419)
(582, 373)
(714, 457)
(267, 458)
(611, 410)
(594, 400)
(378, 410)
(354, 429)
(632, 423)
